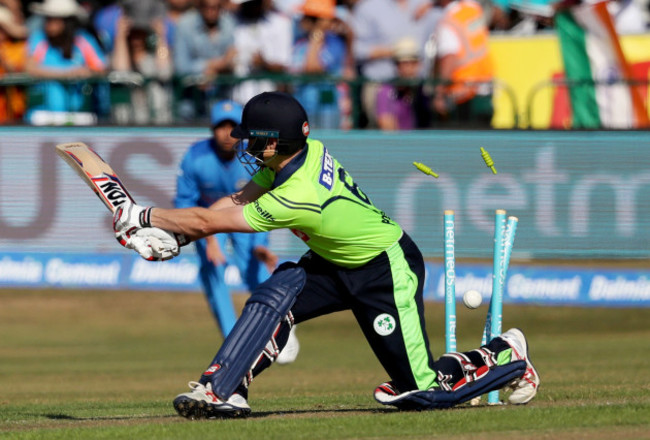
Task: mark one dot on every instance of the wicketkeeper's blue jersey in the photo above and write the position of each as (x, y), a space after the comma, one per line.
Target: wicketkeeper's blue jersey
(203, 178)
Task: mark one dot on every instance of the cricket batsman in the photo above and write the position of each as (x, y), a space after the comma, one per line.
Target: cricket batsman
(359, 259)
(210, 170)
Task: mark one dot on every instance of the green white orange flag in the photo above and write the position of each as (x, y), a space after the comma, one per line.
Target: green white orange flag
(602, 92)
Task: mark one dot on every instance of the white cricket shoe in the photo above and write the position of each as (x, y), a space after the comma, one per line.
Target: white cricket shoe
(202, 403)
(290, 351)
(524, 388)
(387, 394)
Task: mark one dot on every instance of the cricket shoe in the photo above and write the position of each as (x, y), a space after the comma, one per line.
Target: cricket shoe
(202, 403)
(290, 351)
(387, 394)
(524, 388)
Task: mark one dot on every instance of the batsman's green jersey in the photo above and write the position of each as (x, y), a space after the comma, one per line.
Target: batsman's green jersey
(319, 202)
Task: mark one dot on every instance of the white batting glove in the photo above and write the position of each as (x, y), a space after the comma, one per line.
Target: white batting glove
(163, 244)
(138, 244)
(153, 244)
(130, 217)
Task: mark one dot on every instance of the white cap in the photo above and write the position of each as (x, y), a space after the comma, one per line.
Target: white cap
(58, 8)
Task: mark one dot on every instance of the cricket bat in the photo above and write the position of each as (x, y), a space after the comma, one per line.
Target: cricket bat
(104, 182)
(98, 174)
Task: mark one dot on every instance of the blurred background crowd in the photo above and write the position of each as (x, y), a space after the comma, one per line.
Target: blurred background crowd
(387, 64)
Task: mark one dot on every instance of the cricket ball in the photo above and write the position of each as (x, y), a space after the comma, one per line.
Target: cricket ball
(472, 299)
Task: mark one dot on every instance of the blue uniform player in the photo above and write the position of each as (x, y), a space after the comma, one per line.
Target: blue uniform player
(209, 171)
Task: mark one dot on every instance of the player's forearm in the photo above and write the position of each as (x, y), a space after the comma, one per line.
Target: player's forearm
(198, 222)
(250, 192)
(225, 202)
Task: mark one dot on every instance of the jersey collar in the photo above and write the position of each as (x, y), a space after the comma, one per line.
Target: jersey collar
(290, 168)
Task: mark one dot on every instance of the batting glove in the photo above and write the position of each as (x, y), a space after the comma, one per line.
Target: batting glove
(163, 244)
(153, 244)
(130, 217)
(138, 244)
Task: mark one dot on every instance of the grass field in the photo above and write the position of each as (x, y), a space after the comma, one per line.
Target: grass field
(85, 365)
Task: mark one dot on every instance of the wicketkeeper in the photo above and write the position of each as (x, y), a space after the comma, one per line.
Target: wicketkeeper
(359, 260)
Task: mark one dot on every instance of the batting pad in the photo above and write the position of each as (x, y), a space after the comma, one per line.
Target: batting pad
(495, 379)
(268, 305)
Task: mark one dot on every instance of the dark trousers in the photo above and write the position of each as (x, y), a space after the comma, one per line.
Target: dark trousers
(385, 296)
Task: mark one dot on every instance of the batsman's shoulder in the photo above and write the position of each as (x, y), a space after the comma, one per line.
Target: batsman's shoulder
(296, 193)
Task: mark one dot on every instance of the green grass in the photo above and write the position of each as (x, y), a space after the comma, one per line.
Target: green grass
(79, 365)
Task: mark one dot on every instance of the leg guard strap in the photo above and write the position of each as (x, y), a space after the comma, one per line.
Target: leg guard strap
(269, 303)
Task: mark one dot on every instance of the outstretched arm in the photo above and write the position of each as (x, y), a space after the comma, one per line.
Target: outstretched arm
(249, 193)
(225, 215)
(197, 222)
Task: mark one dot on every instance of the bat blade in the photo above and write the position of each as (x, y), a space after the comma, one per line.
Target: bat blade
(98, 174)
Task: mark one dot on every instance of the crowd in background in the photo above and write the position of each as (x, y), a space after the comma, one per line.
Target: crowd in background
(164, 61)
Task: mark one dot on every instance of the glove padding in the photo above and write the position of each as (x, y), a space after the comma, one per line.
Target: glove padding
(153, 244)
(130, 218)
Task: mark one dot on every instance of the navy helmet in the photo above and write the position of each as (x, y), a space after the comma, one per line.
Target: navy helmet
(274, 115)
(270, 115)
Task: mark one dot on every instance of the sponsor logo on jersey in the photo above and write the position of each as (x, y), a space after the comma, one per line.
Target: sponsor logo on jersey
(327, 170)
(301, 235)
(384, 324)
(263, 212)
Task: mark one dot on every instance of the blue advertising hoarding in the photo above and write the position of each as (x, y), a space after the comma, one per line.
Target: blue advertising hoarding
(578, 196)
(533, 283)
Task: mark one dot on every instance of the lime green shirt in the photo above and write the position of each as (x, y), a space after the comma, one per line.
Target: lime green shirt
(318, 201)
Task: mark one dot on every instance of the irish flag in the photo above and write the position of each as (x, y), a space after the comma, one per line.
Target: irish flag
(596, 69)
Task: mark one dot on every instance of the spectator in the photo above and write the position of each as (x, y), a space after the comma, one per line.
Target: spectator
(106, 19)
(16, 9)
(12, 60)
(378, 25)
(288, 7)
(264, 42)
(142, 49)
(63, 55)
(463, 66)
(519, 17)
(342, 25)
(402, 105)
(203, 49)
(319, 51)
(500, 16)
(348, 97)
(175, 10)
(428, 17)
